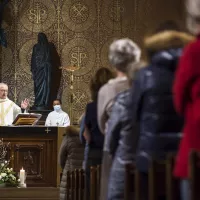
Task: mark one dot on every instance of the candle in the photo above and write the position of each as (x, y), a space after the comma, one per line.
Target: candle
(22, 176)
(72, 77)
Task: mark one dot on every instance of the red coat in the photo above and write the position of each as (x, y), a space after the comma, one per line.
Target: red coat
(187, 103)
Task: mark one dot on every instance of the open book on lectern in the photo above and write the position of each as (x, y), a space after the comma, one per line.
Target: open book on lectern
(26, 119)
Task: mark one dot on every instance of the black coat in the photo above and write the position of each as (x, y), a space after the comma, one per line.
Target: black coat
(152, 106)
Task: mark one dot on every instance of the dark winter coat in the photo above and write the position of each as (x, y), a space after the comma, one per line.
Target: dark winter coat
(70, 156)
(152, 99)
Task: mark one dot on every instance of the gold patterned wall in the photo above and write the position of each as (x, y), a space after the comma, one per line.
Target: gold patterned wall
(82, 31)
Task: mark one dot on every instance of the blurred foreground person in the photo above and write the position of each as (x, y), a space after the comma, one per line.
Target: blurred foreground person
(122, 54)
(152, 100)
(93, 136)
(120, 134)
(187, 99)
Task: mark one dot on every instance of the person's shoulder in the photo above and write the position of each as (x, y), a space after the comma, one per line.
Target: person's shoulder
(91, 105)
(122, 97)
(51, 113)
(109, 87)
(103, 89)
(64, 113)
(12, 102)
(123, 94)
(144, 72)
(192, 48)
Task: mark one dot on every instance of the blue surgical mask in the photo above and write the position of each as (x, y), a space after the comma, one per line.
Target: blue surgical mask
(57, 108)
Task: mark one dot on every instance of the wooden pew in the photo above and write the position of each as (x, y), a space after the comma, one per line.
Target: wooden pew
(129, 182)
(95, 174)
(138, 189)
(81, 188)
(98, 180)
(172, 184)
(194, 174)
(68, 185)
(76, 184)
(72, 184)
(156, 180)
(162, 184)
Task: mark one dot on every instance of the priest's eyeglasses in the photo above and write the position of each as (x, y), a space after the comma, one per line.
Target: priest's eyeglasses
(6, 91)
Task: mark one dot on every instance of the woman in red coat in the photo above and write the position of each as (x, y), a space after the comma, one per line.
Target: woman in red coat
(187, 97)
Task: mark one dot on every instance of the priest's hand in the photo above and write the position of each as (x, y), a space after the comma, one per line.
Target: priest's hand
(25, 104)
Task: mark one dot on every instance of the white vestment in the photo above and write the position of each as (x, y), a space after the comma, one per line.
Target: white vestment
(8, 111)
(59, 118)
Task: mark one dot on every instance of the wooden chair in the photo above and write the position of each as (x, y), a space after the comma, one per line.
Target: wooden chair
(172, 184)
(194, 174)
(129, 182)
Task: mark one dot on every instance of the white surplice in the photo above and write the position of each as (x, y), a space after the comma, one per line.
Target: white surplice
(8, 111)
(59, 118)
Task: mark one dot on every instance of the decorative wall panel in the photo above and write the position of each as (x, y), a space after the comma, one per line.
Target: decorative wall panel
(82, 31)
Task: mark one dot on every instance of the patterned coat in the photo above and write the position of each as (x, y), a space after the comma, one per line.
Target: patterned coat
(121, 144)
(70, 156)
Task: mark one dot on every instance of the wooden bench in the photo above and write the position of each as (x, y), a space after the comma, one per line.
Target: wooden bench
(194, 174)
(129, 182)
(162, 184)
(95, 177)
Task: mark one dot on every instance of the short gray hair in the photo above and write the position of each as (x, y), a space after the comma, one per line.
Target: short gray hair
(122, 53)
(3, 84)
(193, 16)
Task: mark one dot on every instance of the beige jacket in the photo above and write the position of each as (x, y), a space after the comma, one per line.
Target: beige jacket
(106, 96)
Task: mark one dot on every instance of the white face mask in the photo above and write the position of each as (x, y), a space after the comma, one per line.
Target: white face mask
(57, 108)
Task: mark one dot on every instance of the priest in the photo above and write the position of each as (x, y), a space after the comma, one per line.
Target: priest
(8, 109)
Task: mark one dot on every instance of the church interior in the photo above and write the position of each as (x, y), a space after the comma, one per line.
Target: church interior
(81, 31)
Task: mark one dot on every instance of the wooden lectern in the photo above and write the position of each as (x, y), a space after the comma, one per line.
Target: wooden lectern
(29, 119)
(35, 148)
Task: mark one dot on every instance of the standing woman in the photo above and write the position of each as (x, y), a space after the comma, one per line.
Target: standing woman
(122, 53)
(187, 99)
(92, 134)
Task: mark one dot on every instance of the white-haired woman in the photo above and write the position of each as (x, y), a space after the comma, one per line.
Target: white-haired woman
(187, 99)
(122, 54)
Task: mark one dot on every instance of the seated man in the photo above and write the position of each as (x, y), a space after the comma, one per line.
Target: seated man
(57, 117)
(8, 109)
